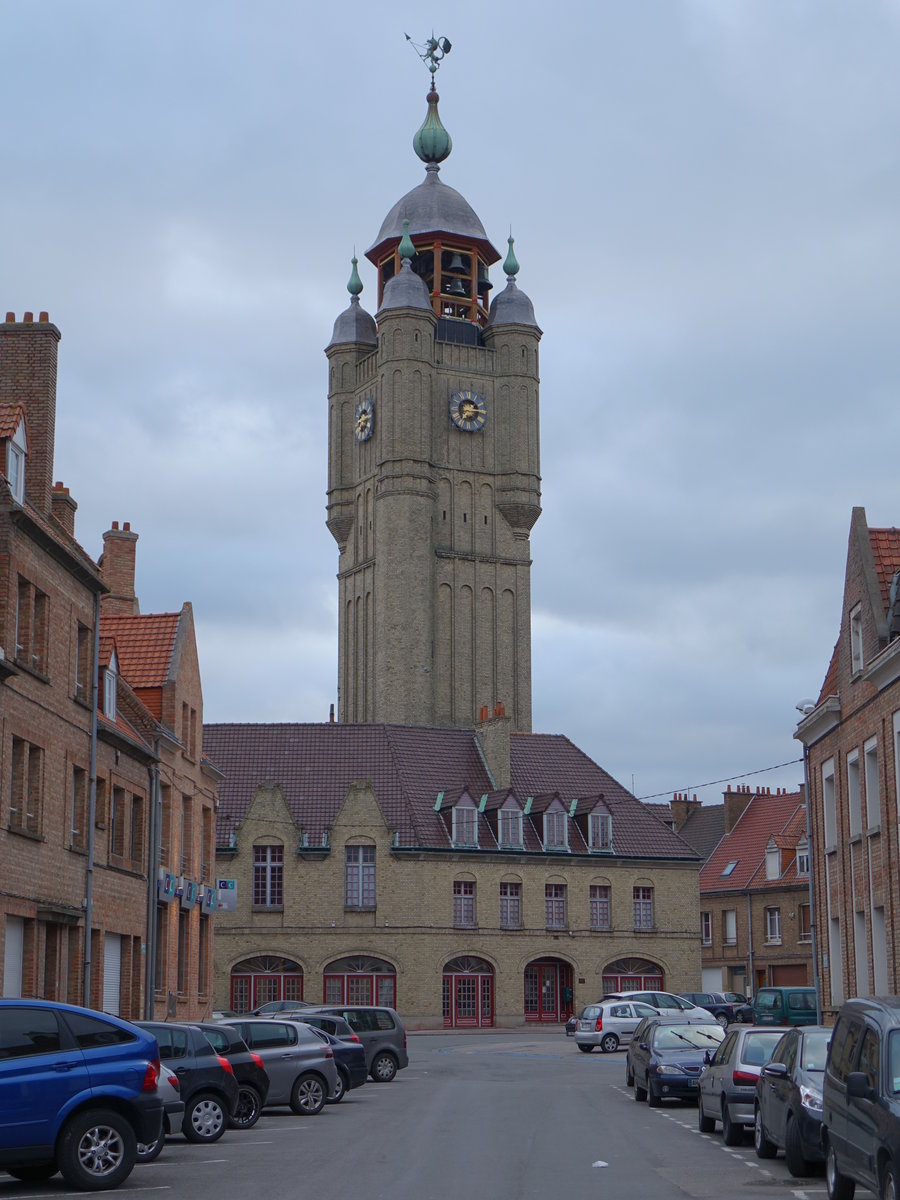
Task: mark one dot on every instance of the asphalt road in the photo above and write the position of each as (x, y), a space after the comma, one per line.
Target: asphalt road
(505, 1116)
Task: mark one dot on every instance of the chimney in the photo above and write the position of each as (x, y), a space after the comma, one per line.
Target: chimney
(493, 739)
(62, 508)
(28, 351)
(682, 808)
(117, 571)
(735, 803)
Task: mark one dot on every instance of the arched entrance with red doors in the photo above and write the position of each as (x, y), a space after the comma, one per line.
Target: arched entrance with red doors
(262, 979)
(468, 993)
(361, 980)
(548, 990)
(633, 975)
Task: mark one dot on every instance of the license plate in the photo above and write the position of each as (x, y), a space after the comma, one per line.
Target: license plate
(692, 1083)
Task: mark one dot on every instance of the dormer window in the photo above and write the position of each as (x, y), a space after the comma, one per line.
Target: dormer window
(773, 861)
(601, 831)
(509, 827)
(856, 640)
(803, 858)
(555, 831)
(465, 825)
(16, 449)
(110, 676)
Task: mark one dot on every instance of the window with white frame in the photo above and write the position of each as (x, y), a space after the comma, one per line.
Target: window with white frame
(510, 905)
(16, 449)
(706, 928)
(854, 811)
(829, 808)
(773, 861)
(109, 688)
(729, 927)
(873, 797)
(601, 915)
(463, 903)
(803, 857)
(856, 639)
(268, 876)
(555, 830)
(773, 926)
(555, 905)
(359, 877)
(600, 825)
(643, 907)
(509, 827)
(465, 826)
(805, 932)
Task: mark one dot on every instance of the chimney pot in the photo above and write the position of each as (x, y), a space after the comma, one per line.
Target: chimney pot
(115, 524)
(44, 318)
(127, 526)
(28, 317)
(10, 317)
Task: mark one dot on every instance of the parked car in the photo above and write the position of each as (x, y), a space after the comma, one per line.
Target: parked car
(380, 1031)
(170, 1093)
(277, 1006)
(785, 1006)
(300, 1066)
(743, 1006)
(571, 1025)
(788, 1112)
(663, 1002)
(350, 1061)
(727, 1091)
(667, 1060)
(610, 1024)
(222, 1014)
(78, 1091)
(861, 1099)
(713, 1002)
(249, 1071)
(208, 1086)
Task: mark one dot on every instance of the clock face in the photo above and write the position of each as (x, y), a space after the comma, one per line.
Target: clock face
(364, 419)
(467, 410)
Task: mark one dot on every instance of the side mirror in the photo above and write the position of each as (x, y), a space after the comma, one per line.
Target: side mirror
(775, 1069)
(858, 1086)
(707, 1058)
(643, 1046)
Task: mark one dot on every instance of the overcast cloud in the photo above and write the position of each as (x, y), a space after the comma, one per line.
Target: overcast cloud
(705, 199)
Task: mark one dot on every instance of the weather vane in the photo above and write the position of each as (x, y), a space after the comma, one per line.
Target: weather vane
(432, 52)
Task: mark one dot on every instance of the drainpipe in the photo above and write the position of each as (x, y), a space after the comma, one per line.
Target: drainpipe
(812, 905)
(750, 945)
(152, 866)
(92, 811)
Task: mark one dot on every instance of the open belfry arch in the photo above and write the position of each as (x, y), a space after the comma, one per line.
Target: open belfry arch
(434, 466)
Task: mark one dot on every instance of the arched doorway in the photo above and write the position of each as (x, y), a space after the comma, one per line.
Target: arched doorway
(633, 975)
(548, 990)
(264, 978)
(361, 980)
(468, 995)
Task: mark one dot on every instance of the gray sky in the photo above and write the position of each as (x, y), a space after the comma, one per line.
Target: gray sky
(705, 199)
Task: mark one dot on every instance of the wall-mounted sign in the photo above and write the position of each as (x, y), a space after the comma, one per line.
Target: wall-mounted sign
(226, 894)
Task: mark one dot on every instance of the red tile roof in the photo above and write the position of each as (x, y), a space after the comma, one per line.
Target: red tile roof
(144, 645)
(886, 552)
(314, 765)
(764, 816)
(830, 682)
(10, 418)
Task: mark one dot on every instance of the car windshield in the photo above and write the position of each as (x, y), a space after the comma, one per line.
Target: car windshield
(815, 1050)
(698, 1037)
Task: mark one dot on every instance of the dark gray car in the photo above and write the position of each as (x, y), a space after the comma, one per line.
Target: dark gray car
(299, 1064)
(381, 1032)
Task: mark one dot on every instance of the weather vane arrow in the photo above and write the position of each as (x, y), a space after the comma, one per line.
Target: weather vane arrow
(435, 49)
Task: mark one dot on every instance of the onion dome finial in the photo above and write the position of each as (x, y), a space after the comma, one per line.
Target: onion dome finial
(432, 143)
(511, 263)
(354, 283)
(406, 249)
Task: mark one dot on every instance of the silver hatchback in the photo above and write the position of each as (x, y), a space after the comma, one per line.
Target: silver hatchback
(299, 1064)
(609, 1024)
(728, 1084)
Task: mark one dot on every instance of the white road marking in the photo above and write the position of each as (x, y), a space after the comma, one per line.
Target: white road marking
(600, 1163)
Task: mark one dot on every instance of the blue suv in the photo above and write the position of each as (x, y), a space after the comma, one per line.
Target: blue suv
(77, 1094)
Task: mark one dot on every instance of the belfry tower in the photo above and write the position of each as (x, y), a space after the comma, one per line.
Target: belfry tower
(434, 467)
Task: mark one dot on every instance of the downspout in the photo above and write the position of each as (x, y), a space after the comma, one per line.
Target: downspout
(155, 825)
(812, 903)
(752, 981)
(92, 812)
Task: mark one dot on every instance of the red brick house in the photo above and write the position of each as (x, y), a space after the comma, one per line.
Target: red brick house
(852, 740)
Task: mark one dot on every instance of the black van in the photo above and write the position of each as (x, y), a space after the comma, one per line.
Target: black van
(861, 1099)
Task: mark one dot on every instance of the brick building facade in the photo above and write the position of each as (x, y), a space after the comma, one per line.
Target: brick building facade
(81, 753)
(852, 741)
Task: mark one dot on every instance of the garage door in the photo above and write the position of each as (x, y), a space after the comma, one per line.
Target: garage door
(12, 956)
(796, 975)
(112, 972)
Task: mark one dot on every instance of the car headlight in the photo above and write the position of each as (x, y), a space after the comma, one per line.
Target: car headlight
(811, 1099)
(669, 1069)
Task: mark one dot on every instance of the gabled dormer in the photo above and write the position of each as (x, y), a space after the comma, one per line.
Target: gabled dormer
(593, 820)
(110, 684)
(14, 448)
(802, 856)
(773, 859)
(551, 821)
(459, 811)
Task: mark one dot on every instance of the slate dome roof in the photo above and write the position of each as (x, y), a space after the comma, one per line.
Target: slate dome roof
(432, 207)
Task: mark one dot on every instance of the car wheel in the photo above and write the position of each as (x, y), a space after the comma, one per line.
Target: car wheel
(629, 1075)
(704, 1123)
(205, 1119)
(97, 1150)
(761, 1144)
(384, 1067)
(732, 1133)
(723, 1020)
(33, 1172)
(340, 1091)
(640, 1093)
(798, 1165)
(248, 1109)
(889, 1188)
(608, 1043)
(308, 1096)
(584, 1049)
(839, 1187)
(148, 1151)
(654, 1100)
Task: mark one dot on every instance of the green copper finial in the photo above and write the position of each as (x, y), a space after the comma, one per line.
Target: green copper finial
(432, 143)
(510, 263)
(354, 284)
(407, 249)
(432, 52)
